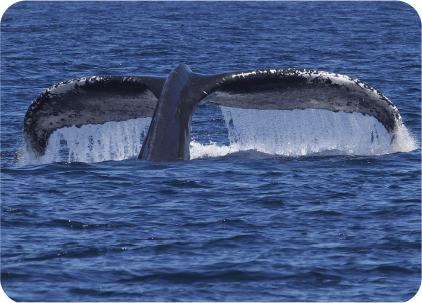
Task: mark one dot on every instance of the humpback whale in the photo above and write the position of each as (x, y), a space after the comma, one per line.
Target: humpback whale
(171, 102)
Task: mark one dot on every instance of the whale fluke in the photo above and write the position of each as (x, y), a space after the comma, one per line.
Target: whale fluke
(172, 101)
(92, 100)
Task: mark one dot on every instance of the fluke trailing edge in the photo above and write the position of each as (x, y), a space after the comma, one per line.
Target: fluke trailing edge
(172, 101)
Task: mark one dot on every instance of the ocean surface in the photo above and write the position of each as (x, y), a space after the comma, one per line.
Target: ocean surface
(301, 205)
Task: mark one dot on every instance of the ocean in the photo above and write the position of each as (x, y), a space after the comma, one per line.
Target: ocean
(302, 205)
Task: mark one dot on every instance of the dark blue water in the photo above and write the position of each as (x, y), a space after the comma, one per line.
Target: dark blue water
(235, 223)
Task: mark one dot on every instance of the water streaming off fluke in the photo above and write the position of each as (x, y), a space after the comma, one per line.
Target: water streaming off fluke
(95, 143)
(305, 132)
(251, 133)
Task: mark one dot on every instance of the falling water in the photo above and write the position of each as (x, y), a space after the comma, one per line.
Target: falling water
(304, 132)
(251, 133)
(95, 143)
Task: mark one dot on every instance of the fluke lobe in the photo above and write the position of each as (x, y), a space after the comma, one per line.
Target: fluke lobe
(172, 101)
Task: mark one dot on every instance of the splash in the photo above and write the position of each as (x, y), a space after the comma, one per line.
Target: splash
(404, 140)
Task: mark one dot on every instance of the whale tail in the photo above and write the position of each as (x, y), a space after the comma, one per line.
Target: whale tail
(93, 100)
(172, 101)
